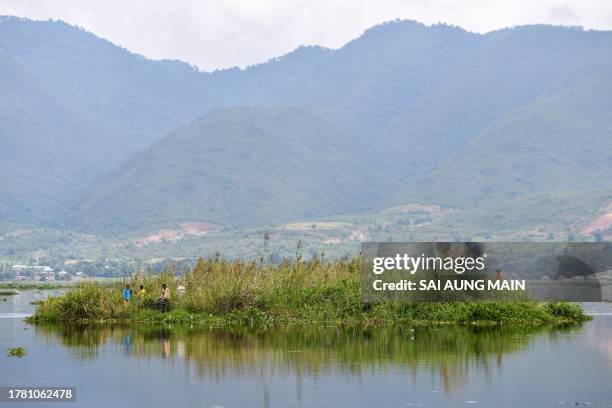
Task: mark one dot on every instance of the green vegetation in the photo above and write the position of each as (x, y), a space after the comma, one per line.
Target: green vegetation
(566, 310)
(7, 293)
(219, 292)
(16, 352)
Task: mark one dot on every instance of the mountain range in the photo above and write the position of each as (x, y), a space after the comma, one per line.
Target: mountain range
(96, 138)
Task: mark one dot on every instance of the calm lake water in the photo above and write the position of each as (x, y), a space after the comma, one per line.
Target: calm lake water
(317, 366)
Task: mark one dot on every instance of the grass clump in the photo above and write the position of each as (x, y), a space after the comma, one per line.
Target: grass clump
(219, 292)
(87, 301)
(564, 310)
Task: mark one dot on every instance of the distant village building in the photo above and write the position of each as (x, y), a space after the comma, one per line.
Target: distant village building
(39, 268)
(33, 272)
(63, 276)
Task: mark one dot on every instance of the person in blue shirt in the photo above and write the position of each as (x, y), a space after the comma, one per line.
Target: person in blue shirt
(127, 294)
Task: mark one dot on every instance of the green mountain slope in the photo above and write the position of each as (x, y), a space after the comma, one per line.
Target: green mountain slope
(405, 113)
(243, 166)
(559, 143)
(73, 106)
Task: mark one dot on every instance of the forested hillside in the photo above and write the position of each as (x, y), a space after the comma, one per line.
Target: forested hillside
(237, 167)
(72, 106)
(561, 142)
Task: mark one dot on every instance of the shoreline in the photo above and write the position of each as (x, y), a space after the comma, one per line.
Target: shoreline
(534, 314)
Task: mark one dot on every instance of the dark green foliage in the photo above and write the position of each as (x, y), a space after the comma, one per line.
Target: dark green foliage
(570, 311)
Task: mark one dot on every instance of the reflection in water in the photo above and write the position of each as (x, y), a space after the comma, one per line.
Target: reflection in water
(448, 352)
(127, 342)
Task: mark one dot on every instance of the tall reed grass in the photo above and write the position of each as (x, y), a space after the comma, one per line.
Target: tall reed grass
(313, 291)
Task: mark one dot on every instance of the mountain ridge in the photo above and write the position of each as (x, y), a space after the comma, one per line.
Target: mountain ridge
(405, 107)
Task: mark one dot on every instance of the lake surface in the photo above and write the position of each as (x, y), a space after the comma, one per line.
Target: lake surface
(182, 366)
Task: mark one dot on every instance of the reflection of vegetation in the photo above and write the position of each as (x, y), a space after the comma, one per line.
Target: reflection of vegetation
(449, 351)
(252, 293)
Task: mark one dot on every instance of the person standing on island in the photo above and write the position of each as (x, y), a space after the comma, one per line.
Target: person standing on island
(164, 299)
(127, 294)
(499, 275)
(165, 292)
(142, 292)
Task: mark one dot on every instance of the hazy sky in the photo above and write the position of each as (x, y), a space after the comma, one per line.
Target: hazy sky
(217, 34)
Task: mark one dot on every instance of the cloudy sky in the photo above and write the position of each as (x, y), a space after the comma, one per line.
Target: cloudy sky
(223, 33)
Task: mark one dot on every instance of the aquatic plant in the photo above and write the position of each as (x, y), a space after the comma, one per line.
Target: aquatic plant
(566, 310)
(16, 352)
